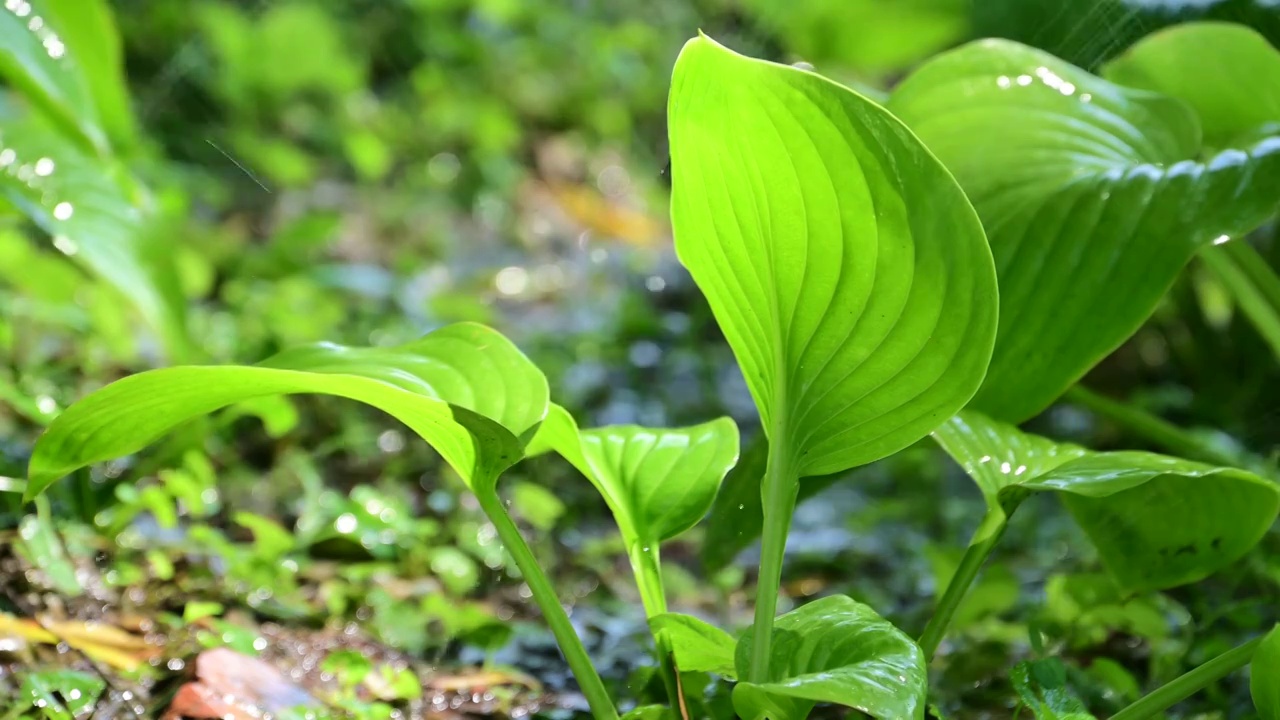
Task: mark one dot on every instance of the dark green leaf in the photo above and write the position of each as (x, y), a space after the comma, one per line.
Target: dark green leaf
(1092, 198)
(834, 650)
(464, 388)
(1042, 686)
(1157, 521)
(860, 319)
(698, 646)
(1264, 676)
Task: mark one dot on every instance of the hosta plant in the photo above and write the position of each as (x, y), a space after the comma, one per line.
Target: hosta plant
(947, 265)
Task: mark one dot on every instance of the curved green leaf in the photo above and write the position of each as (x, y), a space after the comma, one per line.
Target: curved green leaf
(834, 650)
(1157, 521)
(698, 646)
(658, 482)
(1228, 73)
(464, 388)
(1264, 676)
(848, 271)
(77, 199)
(1091, 196)
(64, 56)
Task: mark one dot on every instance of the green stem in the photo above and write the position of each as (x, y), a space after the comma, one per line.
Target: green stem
(549, 602)
(646, 565)
(974, 558)
(1159, 431)
(1185, 686)
(778, 498)
(1246, 275)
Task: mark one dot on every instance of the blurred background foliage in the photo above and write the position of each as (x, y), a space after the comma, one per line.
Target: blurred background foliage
(227, 178)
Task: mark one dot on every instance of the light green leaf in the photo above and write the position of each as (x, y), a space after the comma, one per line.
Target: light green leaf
(78, 200)
(838, 651)
(698, 646)
(62, 694)
(1264, 676)
(650, 712)
(464, 388)
(658, 482)
(1092, 198)
(848, 271)
(1157, 521)
(1228, 73)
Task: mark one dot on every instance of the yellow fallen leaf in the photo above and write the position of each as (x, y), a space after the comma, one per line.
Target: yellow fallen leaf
(26, 629)
(483, 678)
(104, 643)
(611, 220)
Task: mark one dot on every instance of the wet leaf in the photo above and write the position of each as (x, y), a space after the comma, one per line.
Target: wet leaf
(1042, 687)
(39, 542)
(1157, 521)
(1264, 676)
(62, 694)
(658, 482)
(80, 202)
(1092, 197)
(464, 388)
(1227, 72)
(698, 646)
(859, 320)
(651, 712)
(835, 650)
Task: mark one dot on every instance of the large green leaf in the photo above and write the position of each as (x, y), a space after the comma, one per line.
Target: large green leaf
(834, 650)
(78, 199)
(698, 645)
(1264, 676)
(1157, 521)
(64, 56)
(1228, 73)
(1092, 198)
(658, 482)
(848, 271)
(464, 388)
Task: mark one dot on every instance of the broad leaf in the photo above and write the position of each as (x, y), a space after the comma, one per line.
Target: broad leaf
(1264, 676)
(1228, 73)
(1092, 198)
(64, 56)
(79, 201)
(464, 388)
(1157, 521)
(848, 271)
(658, 482)
(834, 650)
(698, 645)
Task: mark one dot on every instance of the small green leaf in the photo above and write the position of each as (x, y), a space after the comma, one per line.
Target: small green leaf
(270, 540)
(464, 388)
(1093, 198)
(835, 650)
(698, 646)
(62, 694)
(1264, 676)
(650, 712)
(658, 482)
(1228, 73)
(1157, 521)
(846, 268)
(38, 541)
(1042, 686)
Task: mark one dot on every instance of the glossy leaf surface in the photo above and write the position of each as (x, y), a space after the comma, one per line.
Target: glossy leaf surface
(835, 650)
(1092, 198)
(1157, 521)
(64, 56)
(1228, 73)
(848, 271)
(658, 482)
(79, 201)
(1264, 676)
(698, 646)
(464, 388)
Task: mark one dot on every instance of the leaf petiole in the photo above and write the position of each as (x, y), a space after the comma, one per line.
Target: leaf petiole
(1186, 685)
(779, 492)
(549, 602)
(984, 541)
